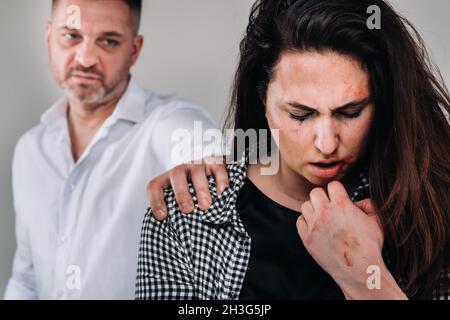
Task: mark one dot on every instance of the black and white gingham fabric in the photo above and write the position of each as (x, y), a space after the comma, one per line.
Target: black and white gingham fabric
(204, 255)
(442, 291)
(362, 190)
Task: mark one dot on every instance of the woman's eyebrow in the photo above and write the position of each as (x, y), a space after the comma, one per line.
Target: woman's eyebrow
(358, 103)
(361, 103)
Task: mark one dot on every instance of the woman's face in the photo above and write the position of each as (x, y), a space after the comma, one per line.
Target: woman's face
(321, 105)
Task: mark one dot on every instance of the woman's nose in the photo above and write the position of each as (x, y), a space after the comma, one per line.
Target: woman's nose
(327, 137)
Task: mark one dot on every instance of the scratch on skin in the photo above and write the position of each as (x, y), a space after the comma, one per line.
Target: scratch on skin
(350, 242)
(347, 260)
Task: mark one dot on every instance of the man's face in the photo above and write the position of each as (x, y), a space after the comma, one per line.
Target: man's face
(321, 104)
(92, 63)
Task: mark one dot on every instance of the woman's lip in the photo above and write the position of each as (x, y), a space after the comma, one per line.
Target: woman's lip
(329, 172)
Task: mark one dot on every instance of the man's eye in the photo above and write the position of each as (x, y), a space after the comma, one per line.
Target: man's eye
(300, 118)
(71, 36)
(110, 43)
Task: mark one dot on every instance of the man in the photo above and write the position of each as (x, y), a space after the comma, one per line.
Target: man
(79, 177)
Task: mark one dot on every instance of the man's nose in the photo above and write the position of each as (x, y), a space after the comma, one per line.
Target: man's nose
(86, 55)
(327, 137)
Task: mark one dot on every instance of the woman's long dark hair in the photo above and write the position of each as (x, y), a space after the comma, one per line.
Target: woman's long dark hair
(410, 143)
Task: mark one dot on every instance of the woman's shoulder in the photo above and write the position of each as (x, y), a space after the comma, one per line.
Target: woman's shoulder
(173, 206)
(236, 173)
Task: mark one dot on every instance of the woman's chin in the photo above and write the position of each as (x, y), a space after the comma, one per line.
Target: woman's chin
(322, 181)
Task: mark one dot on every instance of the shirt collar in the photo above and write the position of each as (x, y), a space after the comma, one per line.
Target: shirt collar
(56, 115)
(131, 107)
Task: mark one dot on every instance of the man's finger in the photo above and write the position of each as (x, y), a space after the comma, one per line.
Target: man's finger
(180, 186)
(201, 186)
(155, 193)
(219, 171)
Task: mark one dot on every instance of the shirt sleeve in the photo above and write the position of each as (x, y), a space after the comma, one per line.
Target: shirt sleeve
(22, 283)
(184, 133)
(164, 268)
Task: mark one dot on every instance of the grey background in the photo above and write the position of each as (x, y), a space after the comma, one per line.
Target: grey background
(190, 49)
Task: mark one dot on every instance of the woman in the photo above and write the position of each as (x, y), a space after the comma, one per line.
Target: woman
(349, 105)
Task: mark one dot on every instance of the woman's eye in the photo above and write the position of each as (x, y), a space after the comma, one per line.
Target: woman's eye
(300, 118)
(350, 114)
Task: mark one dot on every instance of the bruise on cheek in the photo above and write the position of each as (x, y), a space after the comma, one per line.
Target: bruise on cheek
(349, 159)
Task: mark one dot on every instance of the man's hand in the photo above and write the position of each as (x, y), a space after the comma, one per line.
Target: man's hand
(178, 177)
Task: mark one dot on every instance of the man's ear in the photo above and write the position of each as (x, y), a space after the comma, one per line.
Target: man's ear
(48, 31)
(138, 43)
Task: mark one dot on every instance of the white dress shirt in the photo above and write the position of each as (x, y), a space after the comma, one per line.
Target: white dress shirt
(78, 224)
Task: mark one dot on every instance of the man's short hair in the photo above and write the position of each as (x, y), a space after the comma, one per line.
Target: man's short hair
(135, 8)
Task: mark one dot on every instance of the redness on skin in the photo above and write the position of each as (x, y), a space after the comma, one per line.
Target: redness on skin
(347, 261)
(348, 159)
(349, 242)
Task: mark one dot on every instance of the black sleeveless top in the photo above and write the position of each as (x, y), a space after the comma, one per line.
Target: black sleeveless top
(280, 267)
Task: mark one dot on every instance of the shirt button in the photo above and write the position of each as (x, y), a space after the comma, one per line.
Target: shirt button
(64, 239)
(72, 187)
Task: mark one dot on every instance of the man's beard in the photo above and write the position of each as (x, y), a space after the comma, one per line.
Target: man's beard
(89, 94)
